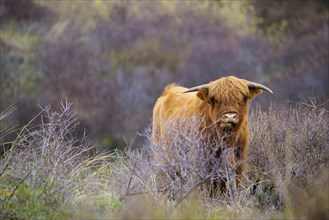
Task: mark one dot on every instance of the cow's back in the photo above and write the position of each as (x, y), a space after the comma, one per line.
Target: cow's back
(171, 105)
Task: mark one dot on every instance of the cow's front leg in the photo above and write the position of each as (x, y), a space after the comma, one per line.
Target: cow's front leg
(240, 156)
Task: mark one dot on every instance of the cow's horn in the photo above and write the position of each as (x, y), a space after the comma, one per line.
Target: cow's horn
(253, 85)
(196, 88)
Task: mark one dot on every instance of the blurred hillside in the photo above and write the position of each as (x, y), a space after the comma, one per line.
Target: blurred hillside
(113, 58)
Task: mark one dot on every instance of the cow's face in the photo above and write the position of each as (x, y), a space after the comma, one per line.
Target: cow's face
(228, 101)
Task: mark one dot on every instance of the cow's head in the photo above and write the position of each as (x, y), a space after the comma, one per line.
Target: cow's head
(228, 99)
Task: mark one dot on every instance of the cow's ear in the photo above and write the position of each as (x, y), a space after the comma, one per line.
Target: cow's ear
(203, 94)
(253, 92)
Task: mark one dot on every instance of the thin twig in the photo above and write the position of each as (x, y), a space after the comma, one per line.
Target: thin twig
(194, 187)
(18, 185)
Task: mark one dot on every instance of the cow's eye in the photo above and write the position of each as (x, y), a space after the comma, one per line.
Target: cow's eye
(243, 101)
(212, 100)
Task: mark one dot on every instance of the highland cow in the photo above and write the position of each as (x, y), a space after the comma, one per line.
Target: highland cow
(222, 107)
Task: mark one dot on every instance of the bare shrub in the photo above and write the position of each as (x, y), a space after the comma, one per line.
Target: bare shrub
(47, 158)
(189, 163)
(288, 153)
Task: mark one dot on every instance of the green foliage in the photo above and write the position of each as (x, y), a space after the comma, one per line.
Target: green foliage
(106, 140)
(18, 200)
(22, 40)
(116, 204)
(276, 32)
(240, 16)
(19, 75)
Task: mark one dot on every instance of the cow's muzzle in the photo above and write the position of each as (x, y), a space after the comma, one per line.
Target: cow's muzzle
(230, 119)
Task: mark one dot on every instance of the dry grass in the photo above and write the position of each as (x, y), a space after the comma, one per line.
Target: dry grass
(50, 173)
